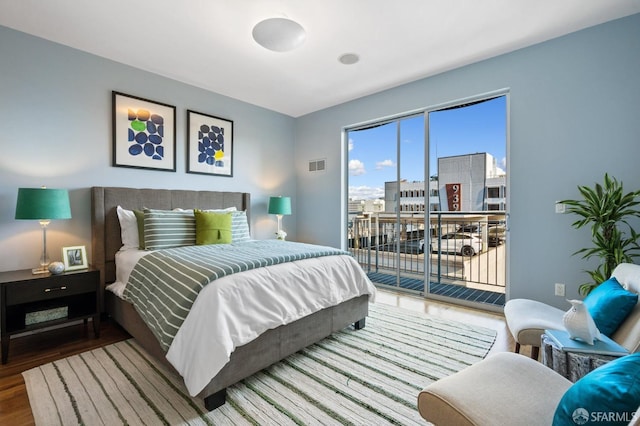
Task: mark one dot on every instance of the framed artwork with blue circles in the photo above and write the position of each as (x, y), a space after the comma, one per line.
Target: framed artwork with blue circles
(209, 144)
(144, 133)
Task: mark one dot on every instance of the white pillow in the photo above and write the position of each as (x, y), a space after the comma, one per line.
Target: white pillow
(128, 229)
(228, 209)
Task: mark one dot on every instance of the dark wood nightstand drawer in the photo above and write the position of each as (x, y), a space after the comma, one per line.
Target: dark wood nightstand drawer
(51, 288)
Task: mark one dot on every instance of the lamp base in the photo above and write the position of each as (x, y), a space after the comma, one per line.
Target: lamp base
(41, 270)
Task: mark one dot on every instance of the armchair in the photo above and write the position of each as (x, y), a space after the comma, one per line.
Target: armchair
(527, 319)
(511, 389)
(502, 389)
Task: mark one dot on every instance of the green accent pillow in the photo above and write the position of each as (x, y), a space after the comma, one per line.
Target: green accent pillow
(610, 304)
(139, 214)
(608, 395)
(212, 228)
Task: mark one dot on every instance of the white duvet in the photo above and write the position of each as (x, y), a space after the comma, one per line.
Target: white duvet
(240, 307)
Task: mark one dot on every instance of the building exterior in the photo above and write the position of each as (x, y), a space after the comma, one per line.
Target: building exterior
(471, 182)
(366, 206)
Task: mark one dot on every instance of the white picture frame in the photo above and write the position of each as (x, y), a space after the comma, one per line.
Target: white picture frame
(74, 258)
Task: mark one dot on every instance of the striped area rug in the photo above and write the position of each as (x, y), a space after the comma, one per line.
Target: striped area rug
(366, 377)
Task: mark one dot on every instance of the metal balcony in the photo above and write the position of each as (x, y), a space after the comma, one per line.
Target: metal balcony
(464, 252)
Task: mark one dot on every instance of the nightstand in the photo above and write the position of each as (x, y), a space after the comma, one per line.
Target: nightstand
(30, 302)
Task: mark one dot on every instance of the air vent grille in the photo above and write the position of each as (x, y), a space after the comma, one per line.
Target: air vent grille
(317, 165)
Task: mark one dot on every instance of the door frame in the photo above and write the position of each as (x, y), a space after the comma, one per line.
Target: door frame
(506, 92)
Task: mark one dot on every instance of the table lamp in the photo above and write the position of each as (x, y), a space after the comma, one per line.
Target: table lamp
(43, 204)
(280, 206)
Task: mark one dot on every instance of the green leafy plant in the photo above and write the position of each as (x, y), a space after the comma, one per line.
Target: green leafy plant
(606, 208)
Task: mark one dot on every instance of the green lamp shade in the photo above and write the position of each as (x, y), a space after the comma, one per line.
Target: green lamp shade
(42, 204)
(280, 205)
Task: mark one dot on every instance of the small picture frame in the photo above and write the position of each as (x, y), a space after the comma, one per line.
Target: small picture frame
(74, 258)
(144, 133)
(209, 144)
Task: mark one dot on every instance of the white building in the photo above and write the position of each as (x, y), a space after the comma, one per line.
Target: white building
(412, 196)
(366, 206)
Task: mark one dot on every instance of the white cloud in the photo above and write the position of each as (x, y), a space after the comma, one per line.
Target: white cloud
(385, 163)
(356, 168)
(365, 193)
(350, 144)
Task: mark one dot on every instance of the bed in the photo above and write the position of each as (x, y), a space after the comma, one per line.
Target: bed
(269, 347)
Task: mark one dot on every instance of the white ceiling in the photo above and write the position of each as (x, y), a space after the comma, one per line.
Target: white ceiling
(208, 43)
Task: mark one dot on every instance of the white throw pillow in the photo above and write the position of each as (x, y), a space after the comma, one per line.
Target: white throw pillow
(128, 229)
(228, 209)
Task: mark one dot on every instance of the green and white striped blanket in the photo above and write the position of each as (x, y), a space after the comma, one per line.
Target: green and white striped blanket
(164, 284)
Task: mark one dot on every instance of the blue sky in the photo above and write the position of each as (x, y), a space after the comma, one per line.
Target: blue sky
(373, 152)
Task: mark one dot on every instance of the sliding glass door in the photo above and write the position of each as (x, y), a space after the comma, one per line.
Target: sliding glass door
(467, 145)
(427, 200)
(387, 200)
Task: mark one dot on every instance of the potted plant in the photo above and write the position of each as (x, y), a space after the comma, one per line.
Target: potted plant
(606, 208)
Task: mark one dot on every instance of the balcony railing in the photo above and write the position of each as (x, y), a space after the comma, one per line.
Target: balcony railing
(462, 248)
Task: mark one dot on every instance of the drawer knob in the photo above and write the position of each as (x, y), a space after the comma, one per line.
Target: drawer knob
(47, 290)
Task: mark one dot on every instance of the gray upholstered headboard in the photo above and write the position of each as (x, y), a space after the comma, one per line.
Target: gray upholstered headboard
(105, 227)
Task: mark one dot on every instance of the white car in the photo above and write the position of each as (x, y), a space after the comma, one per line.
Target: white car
(463, 243)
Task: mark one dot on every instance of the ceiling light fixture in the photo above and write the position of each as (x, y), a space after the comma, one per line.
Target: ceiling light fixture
(279, 34)
(349, 58)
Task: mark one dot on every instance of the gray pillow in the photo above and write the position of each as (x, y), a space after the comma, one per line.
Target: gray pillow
(168, 228)
(239, 227)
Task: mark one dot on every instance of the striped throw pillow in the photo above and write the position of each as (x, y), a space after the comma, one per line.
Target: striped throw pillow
(239, 227)
(168, 228)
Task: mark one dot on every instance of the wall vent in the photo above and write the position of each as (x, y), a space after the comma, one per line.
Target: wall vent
(317, 165)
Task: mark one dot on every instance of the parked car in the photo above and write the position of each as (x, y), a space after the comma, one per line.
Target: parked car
(473, 229)
(496, 234)
(414, 246)
(463, 243)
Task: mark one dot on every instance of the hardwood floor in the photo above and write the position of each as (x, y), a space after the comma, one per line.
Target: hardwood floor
(37, 349)
(504, 341)
(40, 348)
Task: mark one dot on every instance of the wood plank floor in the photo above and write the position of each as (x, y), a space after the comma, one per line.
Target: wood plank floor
(37, 349)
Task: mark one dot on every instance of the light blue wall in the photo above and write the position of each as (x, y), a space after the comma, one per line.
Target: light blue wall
(575, 114)
(55, 130)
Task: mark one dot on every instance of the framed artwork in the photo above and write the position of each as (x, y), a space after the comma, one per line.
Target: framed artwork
(209, 144)
(144, 133)
(74, 258)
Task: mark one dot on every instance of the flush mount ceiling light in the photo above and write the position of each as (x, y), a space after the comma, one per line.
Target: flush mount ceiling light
(279, 34)
(349, 58)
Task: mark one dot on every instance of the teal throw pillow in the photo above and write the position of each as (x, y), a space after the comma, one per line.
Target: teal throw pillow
(608, 395)
(609, 304)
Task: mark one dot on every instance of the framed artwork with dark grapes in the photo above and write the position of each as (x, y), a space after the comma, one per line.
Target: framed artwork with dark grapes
(209, 144)
(144, 133)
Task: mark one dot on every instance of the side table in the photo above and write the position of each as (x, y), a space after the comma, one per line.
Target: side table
(572, 365)
(30, 302)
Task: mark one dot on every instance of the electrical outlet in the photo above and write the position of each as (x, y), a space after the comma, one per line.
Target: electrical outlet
(559, 289)
(560, 207)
